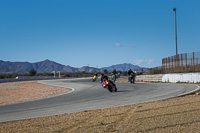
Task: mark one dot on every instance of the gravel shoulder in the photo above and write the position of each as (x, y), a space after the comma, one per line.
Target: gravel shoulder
(15, 92)
(172, 115)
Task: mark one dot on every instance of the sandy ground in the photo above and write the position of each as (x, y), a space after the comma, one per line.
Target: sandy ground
(180, 114)
(15, 92)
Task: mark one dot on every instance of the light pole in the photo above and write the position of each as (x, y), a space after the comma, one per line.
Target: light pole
(176, 32)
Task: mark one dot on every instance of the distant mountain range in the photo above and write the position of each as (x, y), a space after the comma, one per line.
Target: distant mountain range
(48, 66)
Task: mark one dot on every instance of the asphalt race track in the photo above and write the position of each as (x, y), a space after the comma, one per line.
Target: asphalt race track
(88, 95)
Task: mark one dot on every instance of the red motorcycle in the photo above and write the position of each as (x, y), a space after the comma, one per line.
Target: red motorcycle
(109, 85)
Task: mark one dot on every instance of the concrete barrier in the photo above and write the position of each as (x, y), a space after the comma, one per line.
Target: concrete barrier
(182, 77)
(174, 78)
(154, 78)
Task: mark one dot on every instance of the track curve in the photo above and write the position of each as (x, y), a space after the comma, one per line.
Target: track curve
(88, 95)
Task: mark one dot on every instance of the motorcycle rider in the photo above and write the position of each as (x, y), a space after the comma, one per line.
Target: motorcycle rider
(134, 75)
(103, 77)
(114, 72)
(95, 77)
(114, 75)
(130, 72)
(96, 74)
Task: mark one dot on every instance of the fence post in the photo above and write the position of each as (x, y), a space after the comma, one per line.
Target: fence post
(162, 64)
(172, 60)
(193, 58)
(176, 59)
(193, 63)
(198, 65)
(185, 62)
(178, 68)
(166, 68)
(169, 64)
(181, 62)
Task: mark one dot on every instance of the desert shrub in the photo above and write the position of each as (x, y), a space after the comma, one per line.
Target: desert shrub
(32, 72)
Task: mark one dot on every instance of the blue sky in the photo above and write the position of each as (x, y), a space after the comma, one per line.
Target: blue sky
(97, 32)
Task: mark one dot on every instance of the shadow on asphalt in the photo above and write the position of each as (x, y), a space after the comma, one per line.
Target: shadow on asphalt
(122, 91)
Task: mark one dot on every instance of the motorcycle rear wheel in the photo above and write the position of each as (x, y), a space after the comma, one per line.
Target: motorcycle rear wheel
(109, 88)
